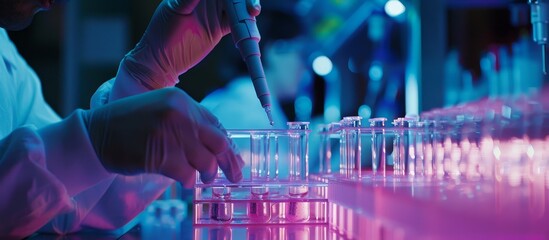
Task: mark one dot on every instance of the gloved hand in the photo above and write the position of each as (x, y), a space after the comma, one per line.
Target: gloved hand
(163, 131)
(180, 34)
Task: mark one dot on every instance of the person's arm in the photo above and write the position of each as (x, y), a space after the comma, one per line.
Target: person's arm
(31, 194)
(21, 99)
(72, 163)
(174, 137)
(180, 34)
(36, 188)
(134, 192)
(54, 177)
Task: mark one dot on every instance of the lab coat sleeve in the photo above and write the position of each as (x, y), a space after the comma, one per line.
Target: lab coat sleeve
(70, 157)
(31, 195)
(102, 200)
(37, 112)
(51, 179)
(125, 199)
(32, 109)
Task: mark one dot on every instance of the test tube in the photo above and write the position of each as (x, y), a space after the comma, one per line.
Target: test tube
(398, 168)
(260, 158)
(276, 157)
(438, 149)
(456, 151)
(299, 150)
(260, 154)
(222, 210)
(470, 145)
(325, 155)
(352, 146)
(378, 146)
(343, 160)
(259, 211)
(298, 210)
(419, 147)
(408, 146)
(429, 146)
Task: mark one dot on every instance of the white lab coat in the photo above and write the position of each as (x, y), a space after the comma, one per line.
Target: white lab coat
(50, 195)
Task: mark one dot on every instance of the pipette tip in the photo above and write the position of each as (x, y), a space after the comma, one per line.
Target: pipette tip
(269, 115)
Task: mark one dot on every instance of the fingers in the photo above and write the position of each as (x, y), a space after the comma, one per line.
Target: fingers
(181, 165)
(183, 7)
(214, 137)
(231, 164)
(186, 176)
(225, 151)
(187, 6)
(254, 7)
(189, 180)
(201, 159)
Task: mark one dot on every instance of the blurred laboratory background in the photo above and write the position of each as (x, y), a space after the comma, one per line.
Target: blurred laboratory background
(373, 58)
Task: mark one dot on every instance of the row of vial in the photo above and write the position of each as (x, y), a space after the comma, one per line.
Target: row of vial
(350, 133)
(297, 152)
(274, 191)
(272, 155)
(488, 139)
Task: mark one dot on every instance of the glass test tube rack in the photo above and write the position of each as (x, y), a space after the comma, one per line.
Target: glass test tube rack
(454, 143)
(356, 145)
(275, 189)
(477, 170)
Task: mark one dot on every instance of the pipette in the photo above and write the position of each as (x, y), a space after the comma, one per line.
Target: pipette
(246, 38)
(539, 16)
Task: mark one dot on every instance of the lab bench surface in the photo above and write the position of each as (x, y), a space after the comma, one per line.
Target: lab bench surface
(388, 207)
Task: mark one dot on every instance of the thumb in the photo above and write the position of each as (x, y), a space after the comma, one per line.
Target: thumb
(183, 7)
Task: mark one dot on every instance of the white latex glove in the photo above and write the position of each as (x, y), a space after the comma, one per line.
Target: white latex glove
(180, 34)
(31, 195)
(163, 131)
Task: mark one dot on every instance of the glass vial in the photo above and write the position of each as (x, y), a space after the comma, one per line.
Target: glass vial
(260, 160)
(299, 150)
(260, 154)
(408, 146)
(325, 155)
(223, 210)
(259, 211)
(419, 149)
(351, 146)
(379, 161)
(398, 166)
(297, 209)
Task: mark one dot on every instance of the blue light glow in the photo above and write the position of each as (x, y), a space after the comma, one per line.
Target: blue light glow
(394, 8)
(332, 114)
(412, 95)
(376, 71)
(365, 111)
(322, 65)
(303, 108)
